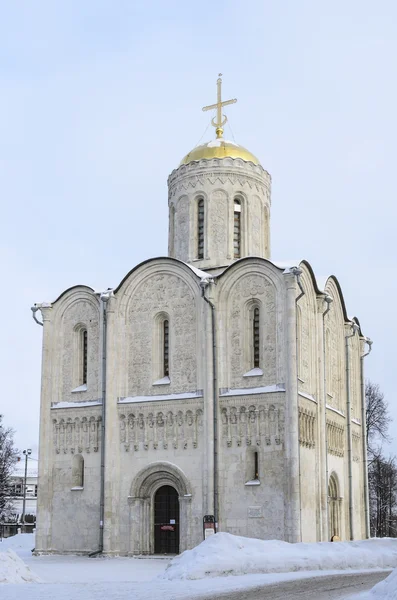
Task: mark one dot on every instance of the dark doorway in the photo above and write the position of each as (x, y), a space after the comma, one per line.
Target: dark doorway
(166, 521)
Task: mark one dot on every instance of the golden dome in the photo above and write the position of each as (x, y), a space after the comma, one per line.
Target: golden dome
(219, 148)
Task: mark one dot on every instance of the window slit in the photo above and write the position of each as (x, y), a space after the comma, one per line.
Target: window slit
(256, 465)
(200, 228)
(237, 229)
(166, 369)
(84, 365)
(256, 338)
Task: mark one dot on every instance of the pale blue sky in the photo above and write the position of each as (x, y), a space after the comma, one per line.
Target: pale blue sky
(100, 100)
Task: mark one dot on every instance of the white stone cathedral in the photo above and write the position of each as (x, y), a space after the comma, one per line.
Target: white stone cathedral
(214, 382)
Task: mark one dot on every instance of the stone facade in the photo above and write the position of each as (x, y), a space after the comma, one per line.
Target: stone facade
(223, 379)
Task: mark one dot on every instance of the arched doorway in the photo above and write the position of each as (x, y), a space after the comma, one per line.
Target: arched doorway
(334, 500)
(166, 521)
(157, 492)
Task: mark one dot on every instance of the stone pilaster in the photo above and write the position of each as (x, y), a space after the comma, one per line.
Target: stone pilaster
(321, 421)
(112, 447)
(292, 501)
(44, 497)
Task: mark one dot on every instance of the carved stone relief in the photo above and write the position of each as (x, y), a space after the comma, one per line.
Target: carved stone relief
(169, 293)
(256, 230)
(252, 425)
(81, 434)
(181, 229)
(144, 429)
(356, 439)
(335, 438)
(307, 428)
(253, 286)
(218, 223)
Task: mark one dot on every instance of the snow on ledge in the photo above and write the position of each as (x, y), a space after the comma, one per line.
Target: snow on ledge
(183, 396)
(81, 388)
(308, 396)
(267, 389)
(225, 554)
(75, 404)
(254, 372)
(356, 421)
(163, 381)
(335, 410)
(253, 482)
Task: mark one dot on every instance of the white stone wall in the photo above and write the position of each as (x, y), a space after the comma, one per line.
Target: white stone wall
(219, 182)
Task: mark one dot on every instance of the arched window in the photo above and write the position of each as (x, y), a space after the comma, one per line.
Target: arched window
(84, 355)
(166, 348)
(237, 229)
(334, 508)
(256, 338)
(78, 471)
(200, 228)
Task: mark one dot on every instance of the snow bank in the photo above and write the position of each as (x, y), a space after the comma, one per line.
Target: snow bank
(226, 554)
(385, 590)
(14, 570)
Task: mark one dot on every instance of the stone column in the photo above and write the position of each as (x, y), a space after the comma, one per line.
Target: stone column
(321, 421)
(46, 449)
(292, 501)
(112, 441)
(185, 505)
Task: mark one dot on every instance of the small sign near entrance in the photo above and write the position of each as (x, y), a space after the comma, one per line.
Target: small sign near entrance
(167, 528)
(172, 521)
(208, 525)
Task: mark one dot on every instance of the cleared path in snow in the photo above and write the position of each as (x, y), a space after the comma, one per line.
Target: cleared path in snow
(321, 587)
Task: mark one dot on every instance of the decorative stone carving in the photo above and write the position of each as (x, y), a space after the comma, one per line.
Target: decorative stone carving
(247, 287)
(335, 438)
(307, 431)
(170, 293)
(356, 440)
(254, 425)
(181, 428)
(83, 434)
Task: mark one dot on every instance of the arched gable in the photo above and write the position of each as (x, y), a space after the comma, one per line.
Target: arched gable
(248, 280)
(307, 332)
(158, 286)
(335, 352)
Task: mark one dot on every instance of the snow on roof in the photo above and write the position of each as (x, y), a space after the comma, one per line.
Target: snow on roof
(198, 272)
(220, 142)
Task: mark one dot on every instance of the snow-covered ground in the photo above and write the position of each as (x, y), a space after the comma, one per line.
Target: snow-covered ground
(226, 554)
(83, 578)
(384, 590)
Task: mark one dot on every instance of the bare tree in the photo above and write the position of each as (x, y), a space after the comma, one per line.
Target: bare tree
(8, 458)
(378, 418)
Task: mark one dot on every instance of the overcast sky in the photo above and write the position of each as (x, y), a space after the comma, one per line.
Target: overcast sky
(100, 100)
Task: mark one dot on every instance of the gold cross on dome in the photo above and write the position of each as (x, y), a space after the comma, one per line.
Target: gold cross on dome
(220, 119)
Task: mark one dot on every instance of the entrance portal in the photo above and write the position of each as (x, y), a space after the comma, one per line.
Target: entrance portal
(166, 521)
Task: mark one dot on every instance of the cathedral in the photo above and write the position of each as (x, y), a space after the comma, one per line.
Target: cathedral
(213, 389)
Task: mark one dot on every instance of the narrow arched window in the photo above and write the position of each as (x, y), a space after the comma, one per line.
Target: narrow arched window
(256, 337)
(84, 355)
(237, 229)
(200, 228)
(166, 349)
(78, 471)
(256, 465)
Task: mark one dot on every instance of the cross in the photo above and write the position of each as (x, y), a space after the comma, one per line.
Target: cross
(219, 123)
